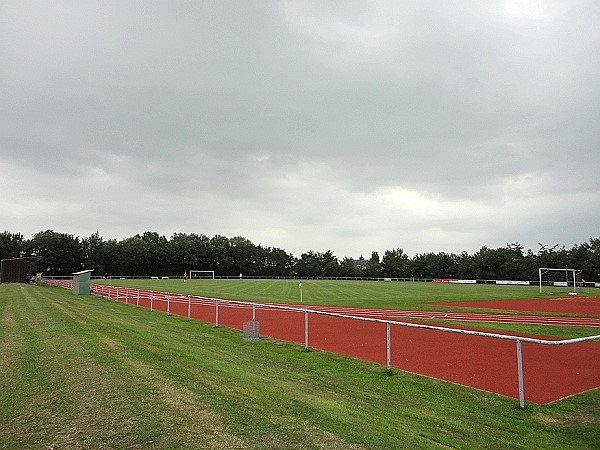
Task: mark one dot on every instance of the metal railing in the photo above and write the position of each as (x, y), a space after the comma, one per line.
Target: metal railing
(132, 295)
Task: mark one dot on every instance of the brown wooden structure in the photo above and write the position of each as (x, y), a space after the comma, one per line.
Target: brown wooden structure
(15, 270)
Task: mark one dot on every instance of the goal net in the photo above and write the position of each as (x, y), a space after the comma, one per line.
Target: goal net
(202, 274)
(558, 281)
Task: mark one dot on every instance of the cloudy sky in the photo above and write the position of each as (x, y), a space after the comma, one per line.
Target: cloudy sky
(351, 126)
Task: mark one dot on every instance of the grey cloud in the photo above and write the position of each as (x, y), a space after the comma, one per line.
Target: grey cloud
(225, 101)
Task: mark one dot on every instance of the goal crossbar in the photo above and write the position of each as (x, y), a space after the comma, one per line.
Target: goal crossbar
(566, 270)
(209, 273)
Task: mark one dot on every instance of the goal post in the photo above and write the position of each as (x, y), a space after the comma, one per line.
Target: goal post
(568, 278)
(202, 274)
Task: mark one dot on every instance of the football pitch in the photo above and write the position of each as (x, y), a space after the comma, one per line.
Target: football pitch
(83, 372)
(376, 294)
(553, 368)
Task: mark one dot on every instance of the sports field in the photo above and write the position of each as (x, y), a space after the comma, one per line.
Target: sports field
(407, 295)
(551, 371)
(82, 372)
(444, 298)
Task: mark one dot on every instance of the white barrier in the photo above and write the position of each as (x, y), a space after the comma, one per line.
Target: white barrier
(109, 292)
(512, 282)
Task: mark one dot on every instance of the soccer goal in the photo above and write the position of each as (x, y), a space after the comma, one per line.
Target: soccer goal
(202, 274)
(558, 281)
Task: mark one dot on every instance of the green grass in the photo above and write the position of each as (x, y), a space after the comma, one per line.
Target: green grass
(380, 294)
(82, 372)
(370, 294)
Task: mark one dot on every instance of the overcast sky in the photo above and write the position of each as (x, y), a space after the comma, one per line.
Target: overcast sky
(351, 126)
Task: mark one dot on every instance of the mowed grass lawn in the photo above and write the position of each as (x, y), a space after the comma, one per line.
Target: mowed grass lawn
(370, 294)
(413, 296)
(83, 372)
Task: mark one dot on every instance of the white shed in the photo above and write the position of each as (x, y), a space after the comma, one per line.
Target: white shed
(81, 282)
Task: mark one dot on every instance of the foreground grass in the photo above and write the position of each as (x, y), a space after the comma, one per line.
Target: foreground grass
(81, 372)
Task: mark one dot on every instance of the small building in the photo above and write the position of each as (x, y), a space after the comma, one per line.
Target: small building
(15, 270)
(81, 282)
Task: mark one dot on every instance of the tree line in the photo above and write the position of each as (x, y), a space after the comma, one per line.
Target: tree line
(151, 254)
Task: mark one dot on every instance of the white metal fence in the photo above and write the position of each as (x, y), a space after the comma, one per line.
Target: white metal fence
(150, 298)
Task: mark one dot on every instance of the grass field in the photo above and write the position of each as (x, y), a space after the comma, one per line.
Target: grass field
(82, 372)
(378, 294)
(369, 294)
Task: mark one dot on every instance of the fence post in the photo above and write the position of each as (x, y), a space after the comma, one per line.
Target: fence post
(388, 348)
(168, 304)
(189, 307)
(151, 300)
(126, 296)
(137, 302)
(217, 314)
(117, 296)
(253, 311)
(520, 370)
(305, 331)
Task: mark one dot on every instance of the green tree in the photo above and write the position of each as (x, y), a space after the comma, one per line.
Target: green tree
(244, 256)
(586, 257)
(93, 251)
(220, 248)
(554, 257)
(114, 260)
(331, 269)
(396, 264)
(275, 262)
(435, 265)
(59, 253)
(12, 245)
(134, 257)
(373, 266)
(313, 264)
(348, 268)
(506, 263)
(156, 255)
(591, 264)
(189, 252)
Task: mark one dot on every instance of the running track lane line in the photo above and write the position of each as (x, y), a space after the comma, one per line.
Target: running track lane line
(552, 372)
(431, 315)
(462, 316)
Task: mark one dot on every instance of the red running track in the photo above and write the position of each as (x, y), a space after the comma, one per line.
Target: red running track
(402, 315)
(551, 372)
(570, 305)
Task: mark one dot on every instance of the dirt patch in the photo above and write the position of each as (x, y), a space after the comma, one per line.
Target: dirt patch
(9, 341)
(569, 420)
(206, 428)
(326, 440)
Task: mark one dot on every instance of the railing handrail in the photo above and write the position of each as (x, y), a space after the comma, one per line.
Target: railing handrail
(372, 319)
